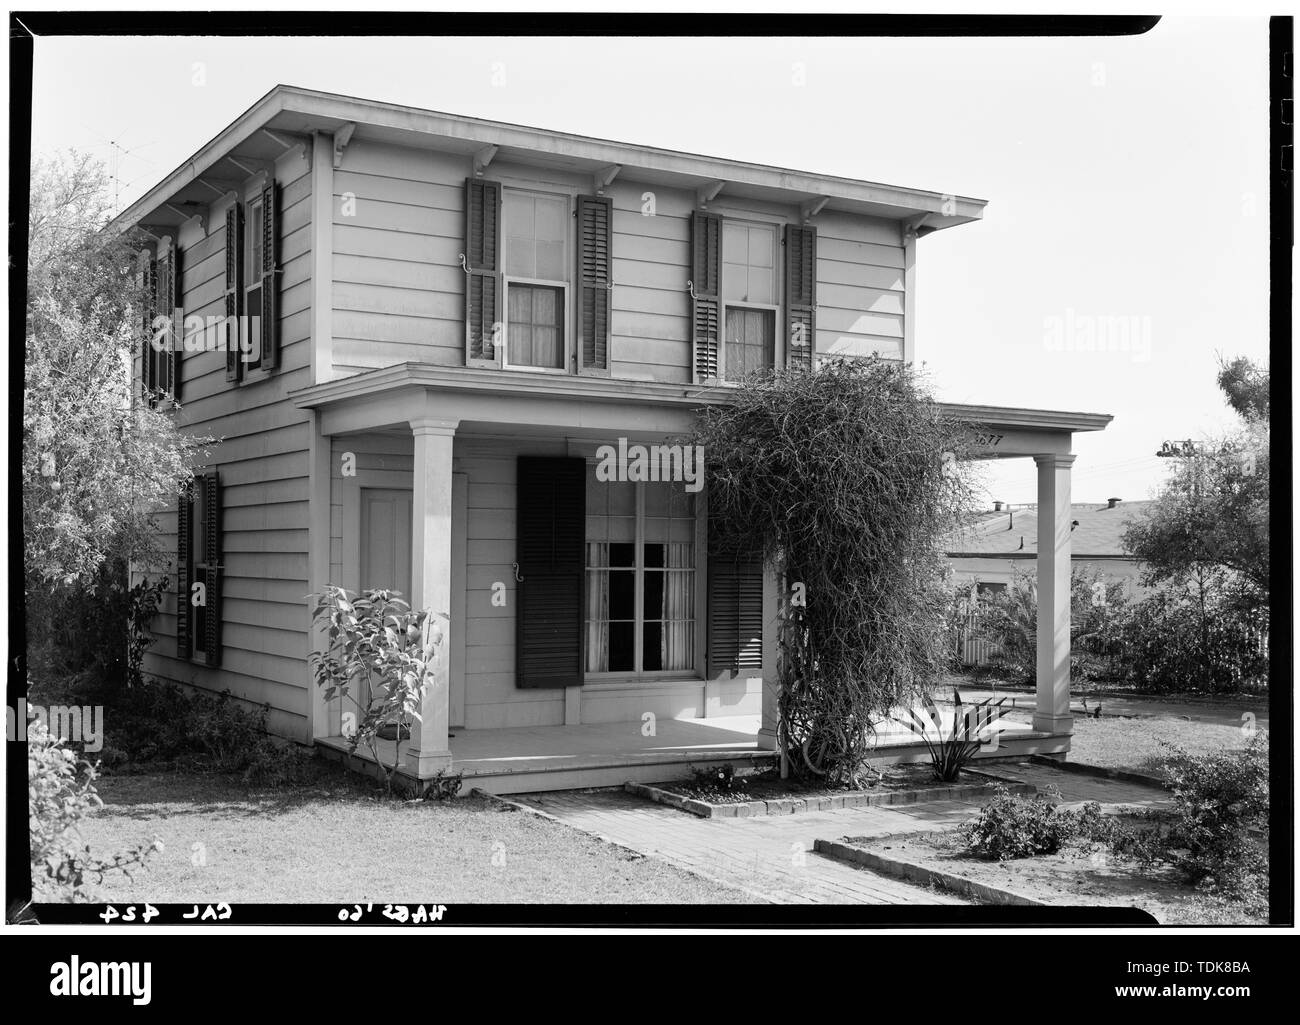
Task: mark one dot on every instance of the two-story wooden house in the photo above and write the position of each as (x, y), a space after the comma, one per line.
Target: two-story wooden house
(446, 320)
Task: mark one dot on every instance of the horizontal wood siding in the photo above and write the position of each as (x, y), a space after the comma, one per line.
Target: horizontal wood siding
(859, 286)
(399, 287)
(261, 456)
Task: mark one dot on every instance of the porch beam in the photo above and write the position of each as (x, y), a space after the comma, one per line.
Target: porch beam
(431, 504)
(1052, 711)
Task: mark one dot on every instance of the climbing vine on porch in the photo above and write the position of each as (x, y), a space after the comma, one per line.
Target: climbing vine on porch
(846, 478)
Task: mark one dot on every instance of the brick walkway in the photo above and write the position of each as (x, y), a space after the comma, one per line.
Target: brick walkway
(771, 857)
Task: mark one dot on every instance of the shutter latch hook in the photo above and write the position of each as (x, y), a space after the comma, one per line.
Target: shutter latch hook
(518, 578)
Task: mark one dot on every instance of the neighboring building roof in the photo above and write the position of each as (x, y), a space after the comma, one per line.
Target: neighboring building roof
(998, 534)
(288, 114)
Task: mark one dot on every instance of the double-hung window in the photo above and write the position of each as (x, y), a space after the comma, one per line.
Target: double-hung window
(749, 296)
(536, 234)
(253, 264)
(641, 578)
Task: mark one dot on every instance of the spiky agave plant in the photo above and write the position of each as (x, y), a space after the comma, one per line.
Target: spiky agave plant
(971, 724)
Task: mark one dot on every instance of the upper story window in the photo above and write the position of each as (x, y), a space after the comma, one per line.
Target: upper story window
(749, 294)
(253, 262)
(536, 230)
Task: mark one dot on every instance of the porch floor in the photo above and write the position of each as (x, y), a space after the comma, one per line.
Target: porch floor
(532, 758)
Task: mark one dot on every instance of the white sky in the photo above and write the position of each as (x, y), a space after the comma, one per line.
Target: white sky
(1126, 177)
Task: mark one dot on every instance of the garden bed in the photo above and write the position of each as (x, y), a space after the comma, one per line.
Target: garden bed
(767, 794)
(1069, 878)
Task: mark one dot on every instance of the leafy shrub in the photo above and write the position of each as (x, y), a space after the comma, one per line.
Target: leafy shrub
(60, 793)
(1216, 835)
(1008, 619)
(94, 629)
(1188, 639)
(1015, 826)
(162, 725)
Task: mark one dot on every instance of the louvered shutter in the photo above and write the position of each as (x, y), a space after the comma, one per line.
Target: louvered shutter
(706, 301)
(184, 536)
(800, 296)
(146, 270)
(482, 260)
(173, 360)
(212, 573)
(550, 550)
(234, 290)
(735, 642)
(595, 282)
(165, 306)
(270, 322)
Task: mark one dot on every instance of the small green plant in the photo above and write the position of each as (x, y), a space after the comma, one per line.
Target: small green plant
(380, 656)
(1216, 834)
(60, 793)
(718, 777)
(950, 750)
(1018, 826)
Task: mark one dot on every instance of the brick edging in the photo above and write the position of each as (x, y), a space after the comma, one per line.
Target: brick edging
(914, 873)
(794, 805)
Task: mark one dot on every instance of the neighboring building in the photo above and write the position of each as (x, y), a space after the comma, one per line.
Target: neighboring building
(455, 315)
(1002, 544)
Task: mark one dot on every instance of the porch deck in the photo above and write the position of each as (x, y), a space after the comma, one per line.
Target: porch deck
(534, 758)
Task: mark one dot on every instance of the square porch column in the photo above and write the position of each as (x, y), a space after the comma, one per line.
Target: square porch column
(771, 708)
(431, 505)
(1052, 712)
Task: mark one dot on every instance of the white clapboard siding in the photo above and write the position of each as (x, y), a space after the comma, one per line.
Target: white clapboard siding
(261, 456)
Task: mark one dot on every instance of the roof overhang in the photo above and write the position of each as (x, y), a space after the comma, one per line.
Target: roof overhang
(288, 115)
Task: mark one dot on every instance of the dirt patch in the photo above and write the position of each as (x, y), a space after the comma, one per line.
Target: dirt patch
(1074, 876)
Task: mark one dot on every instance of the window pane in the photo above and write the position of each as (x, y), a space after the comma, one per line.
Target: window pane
(535, 328)
(760, 247)
(622, 594)
(652, 660)
(521, 260)
(550, 261)
(550, 218)
(622, 637)
(622, 554)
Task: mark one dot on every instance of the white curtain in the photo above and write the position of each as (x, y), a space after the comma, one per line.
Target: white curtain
(677, 642)
(598, 609)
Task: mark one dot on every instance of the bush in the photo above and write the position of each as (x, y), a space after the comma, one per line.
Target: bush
(92, 632)
(1178, 639)
(1015, 826)
(160, 725)
(60, 793)
(1216, 835)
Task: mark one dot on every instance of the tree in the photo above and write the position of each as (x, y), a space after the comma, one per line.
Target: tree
(1210, 524)
(95, 463)
(845, 479)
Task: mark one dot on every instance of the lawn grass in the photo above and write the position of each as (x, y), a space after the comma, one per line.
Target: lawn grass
(1135, 744)
(338, 840)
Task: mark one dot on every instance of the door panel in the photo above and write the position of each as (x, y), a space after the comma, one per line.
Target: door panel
(386, 540)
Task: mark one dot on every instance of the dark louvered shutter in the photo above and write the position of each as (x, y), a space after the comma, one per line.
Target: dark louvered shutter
(146, 271)
(800, 296)
(735, 610)
(482, 259)
(595, 281)
(165, 304)
(706, 301)
(212, 573)
(550, 550)
(184, 536)
(270, 323)
(174, 360)
(234, 290)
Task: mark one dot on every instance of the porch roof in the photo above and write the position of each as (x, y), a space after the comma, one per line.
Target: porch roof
(406, 391)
